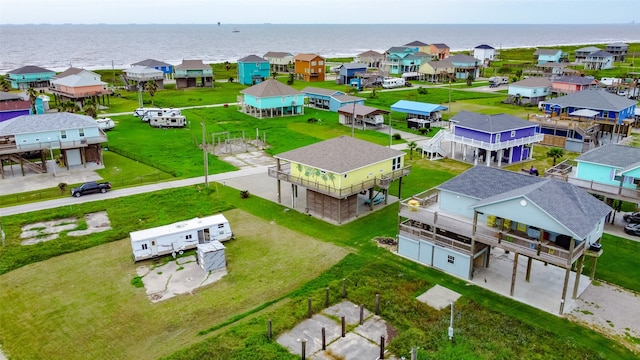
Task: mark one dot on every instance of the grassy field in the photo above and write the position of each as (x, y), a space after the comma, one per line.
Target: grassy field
(83, 305)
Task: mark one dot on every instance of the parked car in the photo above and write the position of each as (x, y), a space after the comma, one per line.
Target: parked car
(633, 218)
(633, 229)
(90, 187)
(376, 200)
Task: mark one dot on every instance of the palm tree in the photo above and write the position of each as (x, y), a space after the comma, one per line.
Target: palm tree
(33, 95)
(411, 145)
(292, 78)
(274, 74)
(470, 79)
(555, 153)
(90, 108)
(5, 84)
(151, 86)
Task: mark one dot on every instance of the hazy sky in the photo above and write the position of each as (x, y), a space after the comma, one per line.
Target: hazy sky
(321, 12)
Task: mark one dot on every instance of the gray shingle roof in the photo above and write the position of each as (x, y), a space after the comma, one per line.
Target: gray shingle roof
(589, 49)
(351, 66)
(571, 206)
(574, 79)
(320, 91)
(490, 123)
(600, 53)
(270, 88)
(277, 54)
(440, 45)
(192, 65)
(340, 154)
(151, 63)
(370, 53)
(547, 52)
(27, 124)
(462, 58)
(484, 46)
(594, 100)
(416, 43)
(30, 69)
(620, 156)
(533, 82)
(7, 96)
(360, 110)
(347, 98)
(252, 59)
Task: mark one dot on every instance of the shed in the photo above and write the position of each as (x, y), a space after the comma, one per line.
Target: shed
(210, 256)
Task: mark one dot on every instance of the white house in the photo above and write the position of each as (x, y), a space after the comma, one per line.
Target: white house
(484, 53)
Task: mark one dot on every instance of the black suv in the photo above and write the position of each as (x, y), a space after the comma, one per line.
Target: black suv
(633, 218)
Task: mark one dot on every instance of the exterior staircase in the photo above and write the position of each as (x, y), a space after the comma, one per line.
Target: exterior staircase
(40, 169)
(432, 146)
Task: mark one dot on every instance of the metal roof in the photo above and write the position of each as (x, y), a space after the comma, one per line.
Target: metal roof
(28, 124)
(140, 70)
(340, 155)
(76, 80)
(360, 110)
(593, 99)
(570, 206)
(178, 227)
(575, 79)
(418, 108)
(352, 66)
(619, 156)
(270, 88)
(547, 52)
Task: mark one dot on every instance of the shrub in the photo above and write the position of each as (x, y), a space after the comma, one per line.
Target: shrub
(244, 194)
(397, 136)
(137, 282)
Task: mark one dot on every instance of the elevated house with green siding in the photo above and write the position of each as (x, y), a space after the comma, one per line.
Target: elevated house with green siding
(30, 76)
(342, 177)
(193, 73)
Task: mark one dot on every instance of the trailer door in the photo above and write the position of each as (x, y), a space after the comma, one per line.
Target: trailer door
(154, 247)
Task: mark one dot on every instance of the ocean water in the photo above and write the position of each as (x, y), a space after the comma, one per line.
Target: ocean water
(56, 47)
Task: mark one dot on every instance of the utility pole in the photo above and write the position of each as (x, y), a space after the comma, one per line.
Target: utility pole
(353, 120)
(206, 158)
(451, 325)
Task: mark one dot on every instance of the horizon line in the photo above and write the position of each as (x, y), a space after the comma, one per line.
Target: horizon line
(235, 24)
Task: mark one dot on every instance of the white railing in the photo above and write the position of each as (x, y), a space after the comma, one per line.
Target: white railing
(494, 146)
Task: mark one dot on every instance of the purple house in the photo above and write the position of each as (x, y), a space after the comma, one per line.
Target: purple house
(13, 105)
(500, 138)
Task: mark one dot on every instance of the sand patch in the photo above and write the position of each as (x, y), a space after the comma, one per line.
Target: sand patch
(49, 230)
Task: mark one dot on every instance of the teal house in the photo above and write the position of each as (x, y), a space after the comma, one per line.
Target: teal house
(392, 62)
(252, 69)
(271, 98)
(612, 170)
(30, 76)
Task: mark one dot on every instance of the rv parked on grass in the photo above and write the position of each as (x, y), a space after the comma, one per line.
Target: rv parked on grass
(173, 121)
(178, 237)
(496, 81)
(105, 124)
(390, 83)
(145, 114)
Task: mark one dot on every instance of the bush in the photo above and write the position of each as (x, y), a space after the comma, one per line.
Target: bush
(244, 194)
(422, 90)
(397, 136)
(62, 186)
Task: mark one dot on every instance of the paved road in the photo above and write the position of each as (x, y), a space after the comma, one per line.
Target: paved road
(50, 204)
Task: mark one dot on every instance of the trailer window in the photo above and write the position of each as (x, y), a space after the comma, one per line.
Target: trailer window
(188, 237)
(144, 246)
(220, 226)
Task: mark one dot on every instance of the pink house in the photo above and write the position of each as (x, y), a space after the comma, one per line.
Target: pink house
(563, 85)
(79, 86)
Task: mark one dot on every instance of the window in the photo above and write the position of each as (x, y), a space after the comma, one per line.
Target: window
(497, 138)
(513, 133)
(188, 237)
(220, 226)
(451, 259)
(320, 62)
(395, 165)
(144, 247)
(37, 139)
(63, 134)
(153, 243)
(81, 132)
(313, 63)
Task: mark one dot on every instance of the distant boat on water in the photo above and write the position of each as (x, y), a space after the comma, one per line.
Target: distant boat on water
(235, 31)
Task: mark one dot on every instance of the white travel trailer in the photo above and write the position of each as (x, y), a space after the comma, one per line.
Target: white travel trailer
(168, 121)
(105, 124)
(145, 114)
(177, 237)
(390, 83)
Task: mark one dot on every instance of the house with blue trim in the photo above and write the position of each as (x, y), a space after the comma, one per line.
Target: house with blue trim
(271, 98)
(30, 77)
(350, 71)
(253, 69)
(419, 110)
(327, 99)
(484, 53)
(529, 91)
(455, 226)
(393, 58)
(609, 108)
(500, 138)
(167, 69)
(543, 56)
(77, 137)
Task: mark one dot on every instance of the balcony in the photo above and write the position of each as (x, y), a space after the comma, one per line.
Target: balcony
(422, 216)
(494, 146)
(327, 187)
(80, 94)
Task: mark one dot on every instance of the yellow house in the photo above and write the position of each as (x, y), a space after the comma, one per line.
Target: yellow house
(437, 71)
(335, 172)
